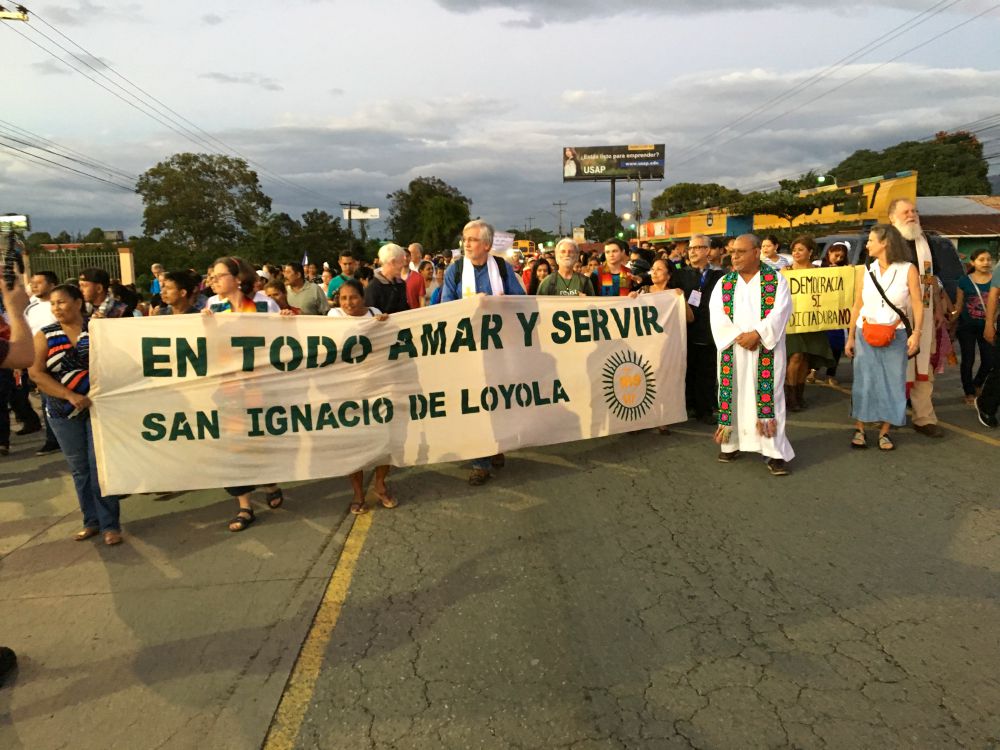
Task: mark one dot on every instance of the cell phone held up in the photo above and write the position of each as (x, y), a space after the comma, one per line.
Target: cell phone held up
(12, 261)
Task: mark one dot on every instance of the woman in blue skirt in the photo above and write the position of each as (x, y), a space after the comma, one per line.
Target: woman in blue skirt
(879, 391)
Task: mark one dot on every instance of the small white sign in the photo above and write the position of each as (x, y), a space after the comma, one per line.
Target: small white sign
(358, 214)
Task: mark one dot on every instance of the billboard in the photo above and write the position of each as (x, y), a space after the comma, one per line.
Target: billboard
(643, 162)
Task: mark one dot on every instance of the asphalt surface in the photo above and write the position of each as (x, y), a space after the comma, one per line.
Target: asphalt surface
(626, 592)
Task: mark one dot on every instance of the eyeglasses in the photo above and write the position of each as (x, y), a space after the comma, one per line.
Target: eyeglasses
(699, 247)
(213, 279)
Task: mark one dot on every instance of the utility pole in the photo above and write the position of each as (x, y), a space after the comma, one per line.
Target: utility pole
(350, 206)
(560, 205)
(529, 220)
(613, 209)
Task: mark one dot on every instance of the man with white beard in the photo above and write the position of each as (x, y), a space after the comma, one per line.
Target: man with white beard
(919, 374)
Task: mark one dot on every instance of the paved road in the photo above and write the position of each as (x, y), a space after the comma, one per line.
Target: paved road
(628, 592)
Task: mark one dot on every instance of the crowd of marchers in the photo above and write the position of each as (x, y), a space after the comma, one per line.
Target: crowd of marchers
(744, 372)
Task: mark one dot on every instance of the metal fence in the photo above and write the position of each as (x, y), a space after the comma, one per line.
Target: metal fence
(67, 263)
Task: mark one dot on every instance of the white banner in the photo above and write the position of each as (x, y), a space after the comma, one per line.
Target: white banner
(189, 402)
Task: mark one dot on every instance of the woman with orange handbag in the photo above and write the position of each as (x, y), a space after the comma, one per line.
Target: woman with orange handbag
(881, 336)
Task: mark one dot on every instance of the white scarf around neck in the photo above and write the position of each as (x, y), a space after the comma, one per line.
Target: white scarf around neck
(469, 277)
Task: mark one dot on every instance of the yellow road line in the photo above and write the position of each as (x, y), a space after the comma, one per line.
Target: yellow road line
(302, 682)
(946, 425)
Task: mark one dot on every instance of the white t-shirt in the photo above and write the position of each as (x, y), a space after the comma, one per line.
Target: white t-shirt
(39, 314)
(272, 306)
(338, 313)
(894, 284)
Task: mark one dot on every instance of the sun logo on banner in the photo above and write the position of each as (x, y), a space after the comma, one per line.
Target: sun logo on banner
(629, 385)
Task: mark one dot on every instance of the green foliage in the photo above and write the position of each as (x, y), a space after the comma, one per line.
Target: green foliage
(205, 202)
(428, 211)
(94, 235)
(785, 204)
(601, 224)
(692, 196)
(804, 182)
(63, 238)
(36, 239)
(951, 164)
(537, 235)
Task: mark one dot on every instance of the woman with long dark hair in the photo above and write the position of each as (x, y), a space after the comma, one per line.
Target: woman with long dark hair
(539, 271)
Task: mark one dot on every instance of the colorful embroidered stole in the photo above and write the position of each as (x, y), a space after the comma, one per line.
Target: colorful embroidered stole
(765, 362)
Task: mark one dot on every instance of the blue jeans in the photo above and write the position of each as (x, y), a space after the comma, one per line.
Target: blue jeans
(77, 443)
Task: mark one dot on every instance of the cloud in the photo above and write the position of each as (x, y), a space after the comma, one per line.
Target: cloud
(336, 91)
(245, 79)
(212, 19)
(86, 12)
(536, 13)
(508, 163)
(51, 67)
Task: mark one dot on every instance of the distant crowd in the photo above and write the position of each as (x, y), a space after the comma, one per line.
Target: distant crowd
(743, 371)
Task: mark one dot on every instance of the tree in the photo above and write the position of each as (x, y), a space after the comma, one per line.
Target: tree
(94, 235)
(692, 196)
(64, 238)
(276, 239)
(785, 204)
(36, 239)
(951, 164)
(601, 224)
(804, 182)
(323, 235)
(428, 211)
(202, 201)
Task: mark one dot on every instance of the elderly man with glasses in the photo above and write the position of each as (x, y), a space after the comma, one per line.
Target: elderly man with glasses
(700, 281)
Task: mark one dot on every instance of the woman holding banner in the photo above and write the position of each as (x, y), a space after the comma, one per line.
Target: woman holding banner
(351, 299)
(880, 336)
(233, 281)
(806, 351)
(62, 372)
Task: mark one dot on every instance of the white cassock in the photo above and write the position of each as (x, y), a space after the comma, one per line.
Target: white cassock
(746, 318)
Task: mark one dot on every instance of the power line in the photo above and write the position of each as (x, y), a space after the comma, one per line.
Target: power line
(24, 133)
(82, 162)
(855, 78)
(829, 70)
(67, 168)
(190, 133)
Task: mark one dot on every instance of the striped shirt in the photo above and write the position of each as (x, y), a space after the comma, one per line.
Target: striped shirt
(68, 363)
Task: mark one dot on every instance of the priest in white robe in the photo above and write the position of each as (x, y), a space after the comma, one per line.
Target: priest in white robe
(749, 313)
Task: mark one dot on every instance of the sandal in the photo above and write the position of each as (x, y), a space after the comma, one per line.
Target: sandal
(359, 509)
(386, 498)
(243, 519)
(275, 498)
(85, 533)
(885, 444)
(858, 441)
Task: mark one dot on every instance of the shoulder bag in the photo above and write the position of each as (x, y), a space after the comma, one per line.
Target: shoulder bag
(880, 334)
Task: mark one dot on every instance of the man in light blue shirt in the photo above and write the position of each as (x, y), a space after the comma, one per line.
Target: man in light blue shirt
(492, 275)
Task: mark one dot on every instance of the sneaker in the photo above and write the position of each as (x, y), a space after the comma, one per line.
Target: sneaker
(986, 420)
(47, 449)
(726, 458)
(777, 467)
(478, 477)
(29, 429)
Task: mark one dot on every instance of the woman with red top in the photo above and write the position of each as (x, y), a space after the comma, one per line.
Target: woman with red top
(276, 290)
(233, 281)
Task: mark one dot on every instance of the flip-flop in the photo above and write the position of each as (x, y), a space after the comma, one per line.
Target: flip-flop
(386, 499)
(359, 509)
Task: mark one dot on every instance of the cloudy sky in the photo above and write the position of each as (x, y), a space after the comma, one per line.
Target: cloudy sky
(337, 101)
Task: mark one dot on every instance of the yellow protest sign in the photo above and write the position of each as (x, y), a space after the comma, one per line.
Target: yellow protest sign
(822, 298)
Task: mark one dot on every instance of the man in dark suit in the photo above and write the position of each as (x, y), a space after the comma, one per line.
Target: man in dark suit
(699, 281)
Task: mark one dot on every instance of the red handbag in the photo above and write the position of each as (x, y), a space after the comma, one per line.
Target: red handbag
(878, 334)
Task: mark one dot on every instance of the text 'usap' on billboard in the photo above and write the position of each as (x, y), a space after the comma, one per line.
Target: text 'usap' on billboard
(643, 162)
